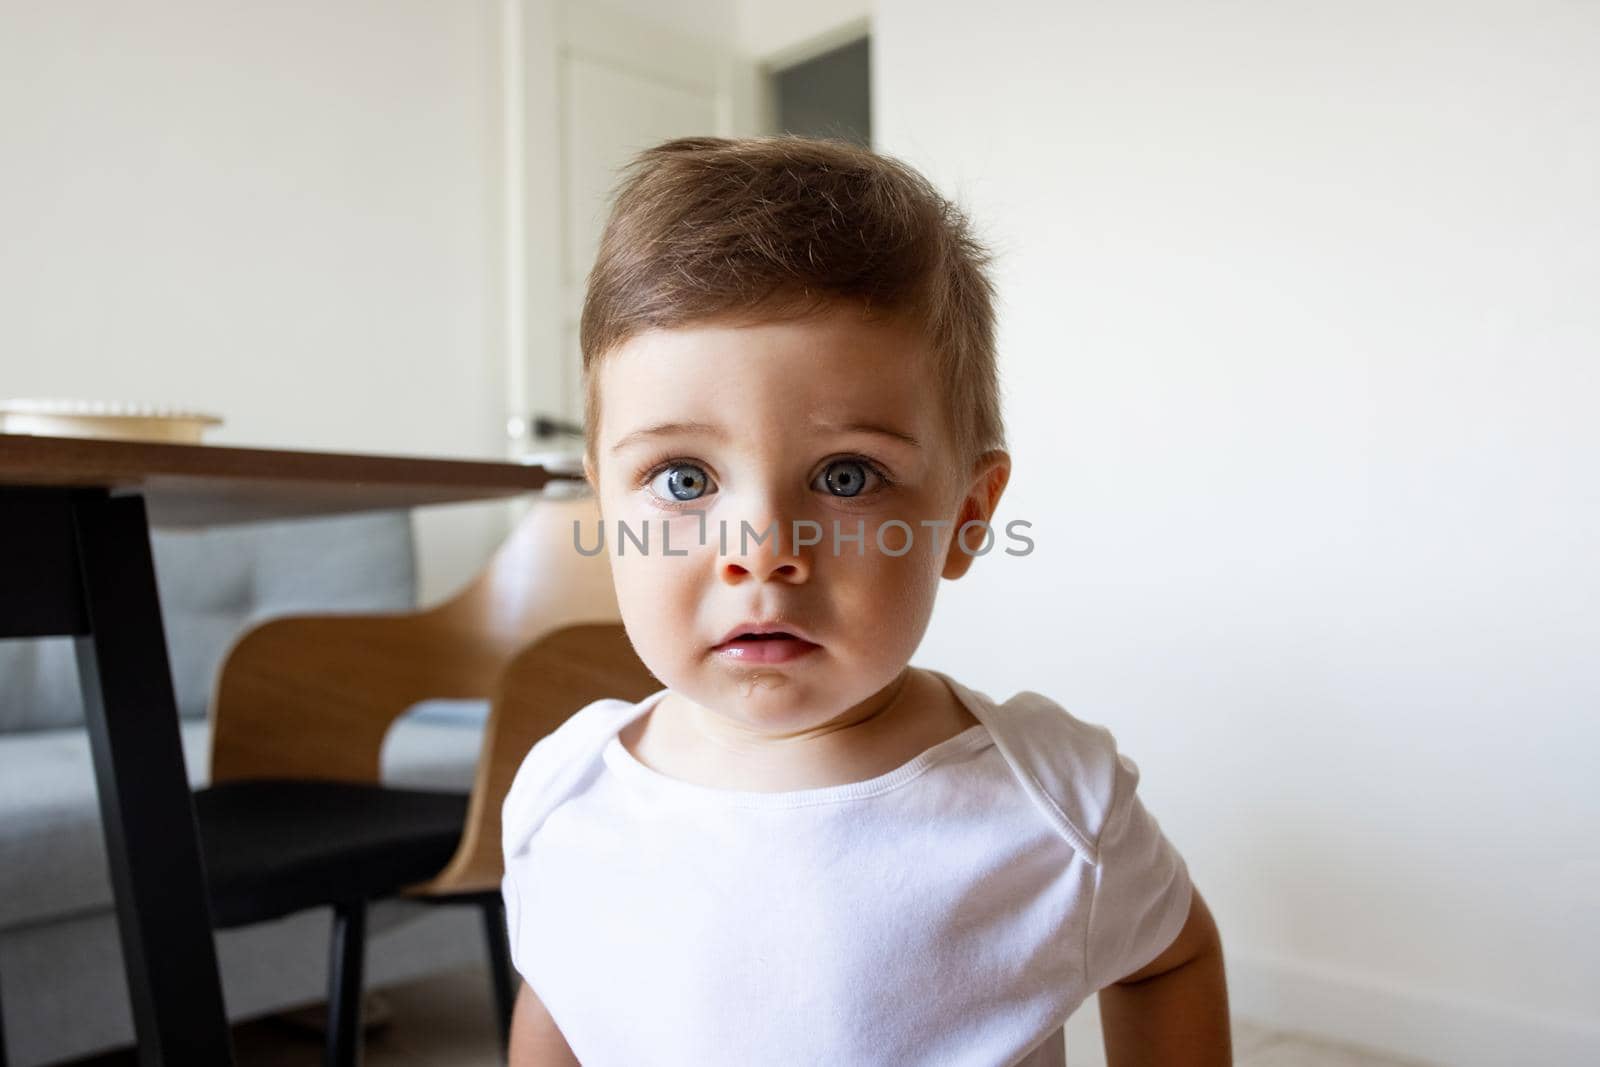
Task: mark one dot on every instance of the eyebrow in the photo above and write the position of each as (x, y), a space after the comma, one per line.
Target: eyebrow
(670, 429)
(869, 428)
(712, 430)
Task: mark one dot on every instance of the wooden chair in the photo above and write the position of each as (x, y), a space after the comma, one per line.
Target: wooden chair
(295, 815)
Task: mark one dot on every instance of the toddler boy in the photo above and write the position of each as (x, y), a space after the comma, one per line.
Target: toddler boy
(804, 850)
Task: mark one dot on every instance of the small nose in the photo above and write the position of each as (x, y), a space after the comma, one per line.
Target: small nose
(766, 552)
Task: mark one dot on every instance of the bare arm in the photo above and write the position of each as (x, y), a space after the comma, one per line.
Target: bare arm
(535, 1041)
(1174, 1011)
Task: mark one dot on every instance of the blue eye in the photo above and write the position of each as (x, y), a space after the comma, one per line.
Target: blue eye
(845, 477)
(684, 481)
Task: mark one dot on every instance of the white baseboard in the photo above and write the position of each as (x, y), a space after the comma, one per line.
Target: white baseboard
(1402, 1022)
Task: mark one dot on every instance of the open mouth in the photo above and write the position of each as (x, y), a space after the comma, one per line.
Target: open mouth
(765, 648)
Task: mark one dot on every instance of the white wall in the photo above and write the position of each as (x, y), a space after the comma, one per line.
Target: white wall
(1300, 327)
(708, 20)
(282, 213)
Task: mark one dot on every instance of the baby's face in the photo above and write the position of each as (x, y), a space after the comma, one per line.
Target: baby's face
(769, 425)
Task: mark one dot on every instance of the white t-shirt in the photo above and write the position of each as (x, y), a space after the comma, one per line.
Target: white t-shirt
(955, 910)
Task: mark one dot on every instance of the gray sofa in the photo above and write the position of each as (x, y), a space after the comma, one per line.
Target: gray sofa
(62, 988)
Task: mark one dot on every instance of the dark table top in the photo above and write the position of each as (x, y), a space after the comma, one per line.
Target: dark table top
(206, 485)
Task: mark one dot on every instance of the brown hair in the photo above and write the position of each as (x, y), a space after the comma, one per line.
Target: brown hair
(778, 227)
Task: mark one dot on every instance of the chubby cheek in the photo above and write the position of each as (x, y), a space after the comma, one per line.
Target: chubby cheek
(885, 601)
(657, 602)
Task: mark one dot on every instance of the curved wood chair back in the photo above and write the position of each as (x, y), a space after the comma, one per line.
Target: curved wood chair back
(313, 696)
(541, 688)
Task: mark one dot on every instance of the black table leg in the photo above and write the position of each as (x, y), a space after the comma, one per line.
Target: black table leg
(153, 845)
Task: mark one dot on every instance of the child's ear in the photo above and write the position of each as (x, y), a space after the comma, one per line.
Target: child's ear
(989, 477)
(592, 477)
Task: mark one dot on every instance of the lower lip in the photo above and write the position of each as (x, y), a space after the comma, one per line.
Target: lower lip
(777, 650)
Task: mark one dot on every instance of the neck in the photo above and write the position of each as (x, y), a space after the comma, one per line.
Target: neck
(745, 739)
(904, 718)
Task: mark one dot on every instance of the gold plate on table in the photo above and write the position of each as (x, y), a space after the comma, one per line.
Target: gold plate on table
(85, 418)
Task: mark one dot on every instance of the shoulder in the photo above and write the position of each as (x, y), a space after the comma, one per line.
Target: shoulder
(1069, 767)
(556, 766)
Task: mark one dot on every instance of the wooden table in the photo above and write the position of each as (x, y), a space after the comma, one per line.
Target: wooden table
(75, 516)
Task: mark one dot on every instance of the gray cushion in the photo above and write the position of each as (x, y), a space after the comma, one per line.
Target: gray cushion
(52, 847)
(214, 583)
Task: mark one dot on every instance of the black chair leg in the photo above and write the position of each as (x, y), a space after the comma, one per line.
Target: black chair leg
(348, 952)
(505, 990)
(2, 1035)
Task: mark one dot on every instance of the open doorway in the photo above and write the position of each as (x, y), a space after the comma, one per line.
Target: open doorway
(828, 95)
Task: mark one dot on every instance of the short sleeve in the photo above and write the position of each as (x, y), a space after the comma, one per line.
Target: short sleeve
(523, 809)
(555, 767)
(513, 905)
(1142, 890)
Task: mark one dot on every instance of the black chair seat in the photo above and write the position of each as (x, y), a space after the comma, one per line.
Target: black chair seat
(273, 847)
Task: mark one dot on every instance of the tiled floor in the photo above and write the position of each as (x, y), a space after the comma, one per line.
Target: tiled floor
(448, 1021)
